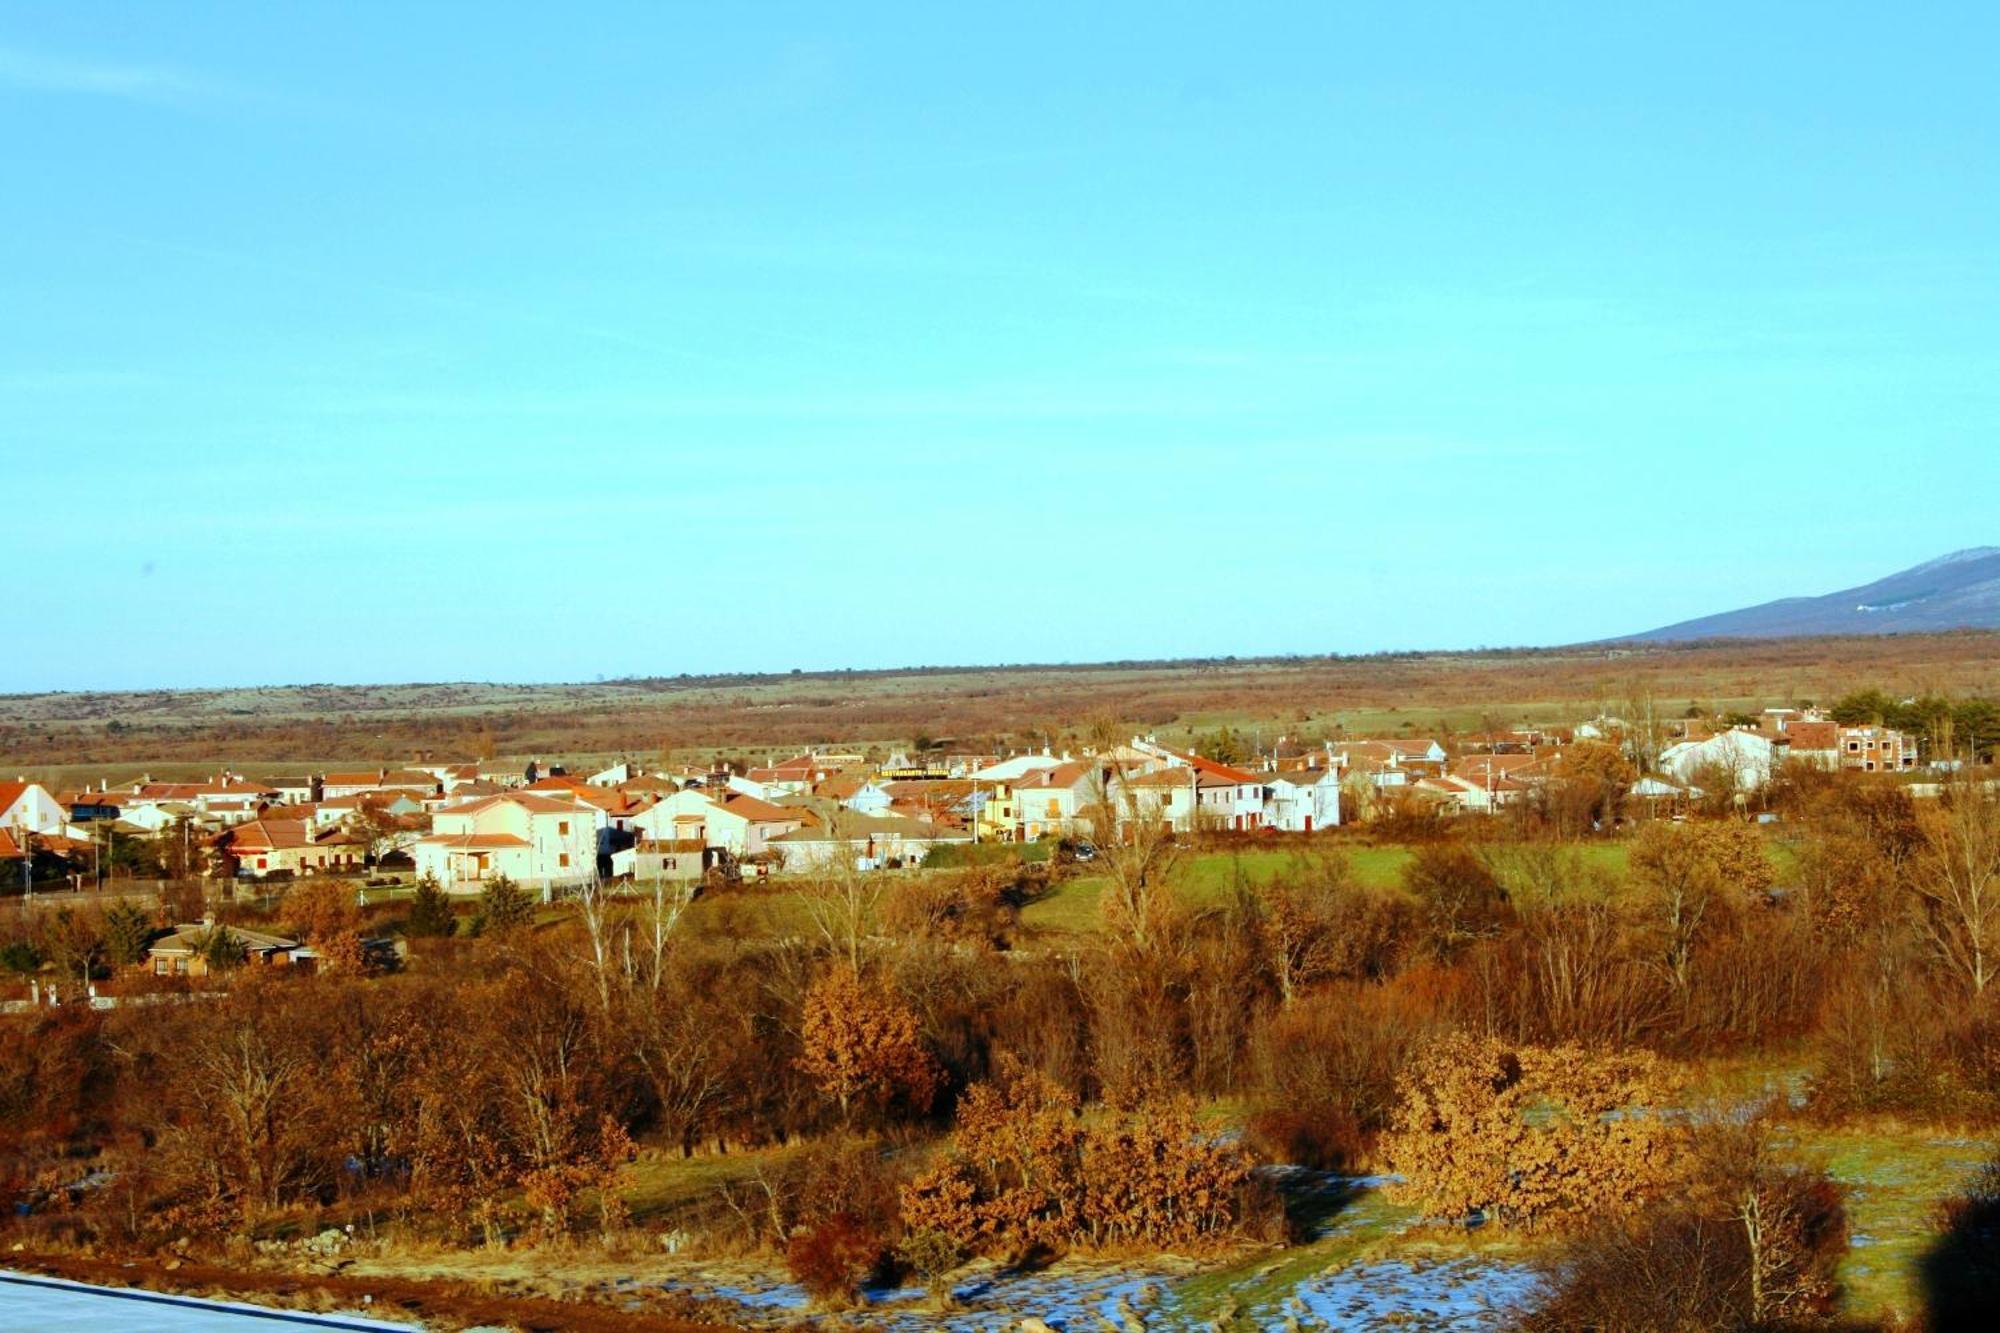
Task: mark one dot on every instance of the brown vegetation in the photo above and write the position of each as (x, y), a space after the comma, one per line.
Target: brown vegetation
(368, 723)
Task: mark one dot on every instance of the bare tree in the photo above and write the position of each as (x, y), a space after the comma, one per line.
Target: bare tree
(1955, 877)
(841, 901)
(1136, 847)
(659, 917)
(593, 902)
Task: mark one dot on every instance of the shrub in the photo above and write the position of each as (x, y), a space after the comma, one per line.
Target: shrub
(1327, 1069)
(1531, 1136)
(1461, 898)
(430, 911)
(933, 1256)
(1026, 1172)
(1754, 1244)
(505, 906)
(832, 1258)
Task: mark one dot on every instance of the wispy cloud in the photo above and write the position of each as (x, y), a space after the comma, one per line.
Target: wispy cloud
(39, 71)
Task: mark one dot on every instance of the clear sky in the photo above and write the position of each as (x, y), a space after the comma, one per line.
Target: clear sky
(380, 342)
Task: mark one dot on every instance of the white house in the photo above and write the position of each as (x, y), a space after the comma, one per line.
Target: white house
(743, 786)
(1012, 769)
(1166, 795)
(1303, 800)
(29, 807)
(1658, 794)
(869, 799)
(152, 816)
(1744, 756)
(535, 840)
(1187, 798)
(1056, 802)
(1229, 798)
(740, 824)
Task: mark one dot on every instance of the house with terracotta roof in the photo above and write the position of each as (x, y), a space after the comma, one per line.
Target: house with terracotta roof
(225, 798)
(25, 854)
(933, 799)
(1057, 801)
(415, 781)
(450, 776)
(184, 951)
(1227, 797)
(535, 840)
(29, 807)
(1171, 796)
(795, 776)
(261, 848)
(863, 842)
(1410, 756)
(741, 825)
(1455, 794)
(1482, 767)
(1811, 742)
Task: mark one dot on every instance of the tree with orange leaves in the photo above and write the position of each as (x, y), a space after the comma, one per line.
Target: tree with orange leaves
(862, 1044)
(1532, 1136)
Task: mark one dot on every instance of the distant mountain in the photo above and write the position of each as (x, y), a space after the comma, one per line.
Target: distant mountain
(1957, 591)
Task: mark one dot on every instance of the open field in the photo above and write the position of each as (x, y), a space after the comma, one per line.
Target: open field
(67, 736)
(1362, 1257)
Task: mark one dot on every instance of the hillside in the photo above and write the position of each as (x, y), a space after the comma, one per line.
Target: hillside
(189, 732)
(1957, 591)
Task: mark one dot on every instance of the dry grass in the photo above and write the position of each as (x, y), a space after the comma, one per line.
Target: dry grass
(496, 1299)
(72, 735)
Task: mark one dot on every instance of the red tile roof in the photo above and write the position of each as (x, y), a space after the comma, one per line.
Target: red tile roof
(756, 811)
(1061, 775)
(543, 805)
(475, 842)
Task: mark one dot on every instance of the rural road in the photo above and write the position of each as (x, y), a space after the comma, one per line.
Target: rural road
(51, 1305)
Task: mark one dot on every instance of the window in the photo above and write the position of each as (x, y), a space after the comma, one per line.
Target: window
(562, 829)
(563, 859)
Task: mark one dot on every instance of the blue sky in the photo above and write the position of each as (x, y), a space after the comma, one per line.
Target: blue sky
(383, 342)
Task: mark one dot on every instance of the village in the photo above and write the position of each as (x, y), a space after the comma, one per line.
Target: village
(463, 827)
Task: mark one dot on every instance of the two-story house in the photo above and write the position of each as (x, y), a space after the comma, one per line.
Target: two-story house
(537, 841)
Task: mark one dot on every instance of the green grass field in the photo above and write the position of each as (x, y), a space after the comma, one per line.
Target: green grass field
(1896, 1176)
(1207, 877)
